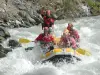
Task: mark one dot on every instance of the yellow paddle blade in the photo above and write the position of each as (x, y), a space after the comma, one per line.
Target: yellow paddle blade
(23, 40)
(83, 52)
(87, 53)
(56, 40)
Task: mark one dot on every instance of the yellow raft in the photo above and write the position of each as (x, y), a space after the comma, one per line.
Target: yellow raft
(59, 54)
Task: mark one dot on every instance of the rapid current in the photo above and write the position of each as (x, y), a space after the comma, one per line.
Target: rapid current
(20, 62)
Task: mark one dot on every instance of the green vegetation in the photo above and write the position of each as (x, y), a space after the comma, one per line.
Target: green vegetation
(94, 7)
(71, 7)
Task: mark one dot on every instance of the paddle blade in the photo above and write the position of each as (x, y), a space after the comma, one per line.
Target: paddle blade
(83, 52)
(23, 40)
(88, 53)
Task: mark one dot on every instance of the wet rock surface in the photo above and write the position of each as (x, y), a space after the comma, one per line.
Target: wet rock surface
(13, 44)
(4, 34)
(4, 51)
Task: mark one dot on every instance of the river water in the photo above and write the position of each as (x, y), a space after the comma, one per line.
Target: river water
(20, 62)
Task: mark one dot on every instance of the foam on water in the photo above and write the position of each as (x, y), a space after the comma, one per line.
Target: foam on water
(20, 62)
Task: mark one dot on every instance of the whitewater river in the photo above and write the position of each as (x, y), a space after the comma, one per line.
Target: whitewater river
(20, 62)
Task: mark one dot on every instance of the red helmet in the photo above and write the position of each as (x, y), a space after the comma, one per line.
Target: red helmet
(48, 12)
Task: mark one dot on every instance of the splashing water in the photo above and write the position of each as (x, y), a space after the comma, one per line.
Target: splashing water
(20, 62)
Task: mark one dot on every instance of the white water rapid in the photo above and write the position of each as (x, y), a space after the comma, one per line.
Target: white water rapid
(20, 62)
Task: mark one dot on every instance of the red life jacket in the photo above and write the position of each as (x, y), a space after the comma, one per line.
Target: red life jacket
(48, 22)
(39, 38)
(48, 38)
(75, 35)
(65, 39)
(44, 38)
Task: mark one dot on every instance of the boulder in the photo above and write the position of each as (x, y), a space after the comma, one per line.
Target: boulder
(4, 34)
(4, 51)
(14, 44)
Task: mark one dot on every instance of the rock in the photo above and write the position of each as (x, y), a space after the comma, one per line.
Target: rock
(1, 39)
(4, 34)
(18, 22)
(54, 16)
(31, 20)
(29, 48)
(4, 51)
(3, 15)
(19, 4)
(22, 14)
(27, 24)
(38, 19)
(13, 44)
(1, 48)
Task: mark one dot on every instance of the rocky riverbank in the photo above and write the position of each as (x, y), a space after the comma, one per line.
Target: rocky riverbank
(23, 13)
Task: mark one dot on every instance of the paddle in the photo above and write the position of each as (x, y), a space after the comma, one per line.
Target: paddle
(83, 52)
(79, 50)
(23, 40)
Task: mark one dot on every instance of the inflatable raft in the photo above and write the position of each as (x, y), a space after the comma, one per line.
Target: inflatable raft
(60, 55)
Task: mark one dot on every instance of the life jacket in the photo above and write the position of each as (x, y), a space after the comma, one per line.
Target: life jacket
(65, 39)
(75, 35)
(73, 43)
(44, 38)
(48, 38)
(48, 22)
